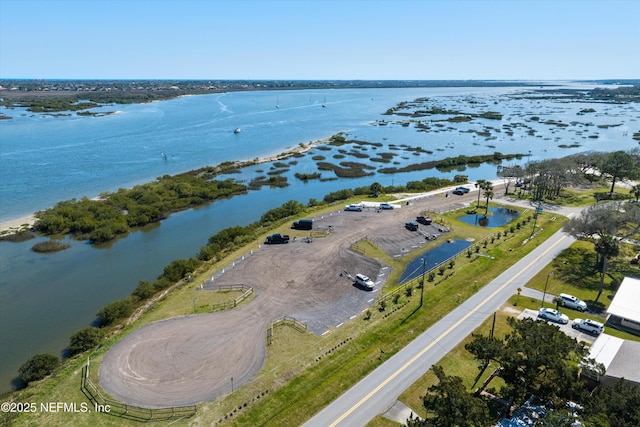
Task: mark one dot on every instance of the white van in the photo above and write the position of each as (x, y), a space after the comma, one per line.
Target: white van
(364, 281)
(572, 302)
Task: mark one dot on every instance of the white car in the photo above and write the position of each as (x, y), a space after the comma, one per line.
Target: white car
(553, 315)
(572, 302)
(364, 281)
(589, 326)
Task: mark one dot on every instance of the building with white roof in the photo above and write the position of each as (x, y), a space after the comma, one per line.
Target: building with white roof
(624, 310)
(619, 357)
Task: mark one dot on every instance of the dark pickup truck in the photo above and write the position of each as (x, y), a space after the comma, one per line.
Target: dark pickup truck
(275, 239)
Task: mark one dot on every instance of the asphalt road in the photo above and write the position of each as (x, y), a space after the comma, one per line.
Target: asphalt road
(379, 390)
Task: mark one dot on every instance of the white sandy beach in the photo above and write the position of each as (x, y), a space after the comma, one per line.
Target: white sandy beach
(15, 225)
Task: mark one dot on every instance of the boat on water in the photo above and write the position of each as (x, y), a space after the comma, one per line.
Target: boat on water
(237, 130)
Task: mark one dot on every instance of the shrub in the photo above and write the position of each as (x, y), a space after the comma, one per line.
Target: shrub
(49, 246)
(396, 298)
(115, 311)
(431, 277)
(38, 367)
(441, 270)
(85, 339)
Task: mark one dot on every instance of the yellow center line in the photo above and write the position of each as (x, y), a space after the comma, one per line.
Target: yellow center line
(442, 336)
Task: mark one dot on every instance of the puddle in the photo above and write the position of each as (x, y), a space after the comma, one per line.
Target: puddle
(498, 217)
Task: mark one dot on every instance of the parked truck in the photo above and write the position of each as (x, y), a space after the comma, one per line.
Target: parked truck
(275, 239)
(303, 224)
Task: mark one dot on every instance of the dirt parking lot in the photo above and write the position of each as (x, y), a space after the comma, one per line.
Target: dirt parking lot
(192, 359)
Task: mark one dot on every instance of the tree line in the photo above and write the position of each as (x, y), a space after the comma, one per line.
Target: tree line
(116, 213)
(546, 179)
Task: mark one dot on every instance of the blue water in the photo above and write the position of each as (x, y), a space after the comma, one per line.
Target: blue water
(44, 298)
(45, 159)
(497, 218)
(433, 258)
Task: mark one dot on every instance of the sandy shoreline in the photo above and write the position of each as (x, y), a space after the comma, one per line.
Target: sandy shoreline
(15, 225)
(27, 221)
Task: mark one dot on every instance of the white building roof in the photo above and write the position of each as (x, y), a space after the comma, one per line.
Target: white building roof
(626, 302)
(605, 348)
(619, 357)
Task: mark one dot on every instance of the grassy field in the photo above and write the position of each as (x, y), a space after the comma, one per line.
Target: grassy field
(303, 372)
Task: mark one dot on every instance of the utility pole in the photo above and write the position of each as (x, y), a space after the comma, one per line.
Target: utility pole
(535, 218)
(493, 325)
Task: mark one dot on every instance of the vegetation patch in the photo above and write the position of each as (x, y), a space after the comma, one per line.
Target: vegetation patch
(307, 176)
(20, 236)
(569, 145)
(450, 162)
(277, 171)
(116, 213)
(358, 154)
(272, 181)
(346, 169)
(50, 246)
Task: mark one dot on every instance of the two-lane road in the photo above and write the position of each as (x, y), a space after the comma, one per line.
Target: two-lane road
(379, 390)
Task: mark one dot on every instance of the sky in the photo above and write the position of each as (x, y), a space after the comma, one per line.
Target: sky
(323, 39)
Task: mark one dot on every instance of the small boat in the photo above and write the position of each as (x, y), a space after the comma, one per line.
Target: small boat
(277, 102)
(324, 104)
(237, 130)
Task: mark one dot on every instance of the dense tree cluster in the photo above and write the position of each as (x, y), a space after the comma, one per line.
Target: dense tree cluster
(85, 339)
(115, 213)
(605, 224)
(449, 404)
(537, 359)
(38, 367)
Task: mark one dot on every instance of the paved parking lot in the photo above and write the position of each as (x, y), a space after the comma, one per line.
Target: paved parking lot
(567, 329)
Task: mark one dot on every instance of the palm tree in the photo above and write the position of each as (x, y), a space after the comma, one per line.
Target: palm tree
(607, 246)
(480, 186)
(488, 193)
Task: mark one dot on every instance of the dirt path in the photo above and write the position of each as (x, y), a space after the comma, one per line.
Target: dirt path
(192, 359)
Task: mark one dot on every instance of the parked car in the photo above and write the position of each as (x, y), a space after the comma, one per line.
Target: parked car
(364, 281)
(572, 302)
(589, 326)
(354, 208)
(423, 220)
(553, 315)
(386, 206)
(458, 192)
(411, 226)
(275, 239)
(303, 224)
(463, 189)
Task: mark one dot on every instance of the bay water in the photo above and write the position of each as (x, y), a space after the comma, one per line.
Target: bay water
(44, 298)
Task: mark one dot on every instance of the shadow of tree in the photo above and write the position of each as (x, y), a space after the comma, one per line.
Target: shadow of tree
(577, 266)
